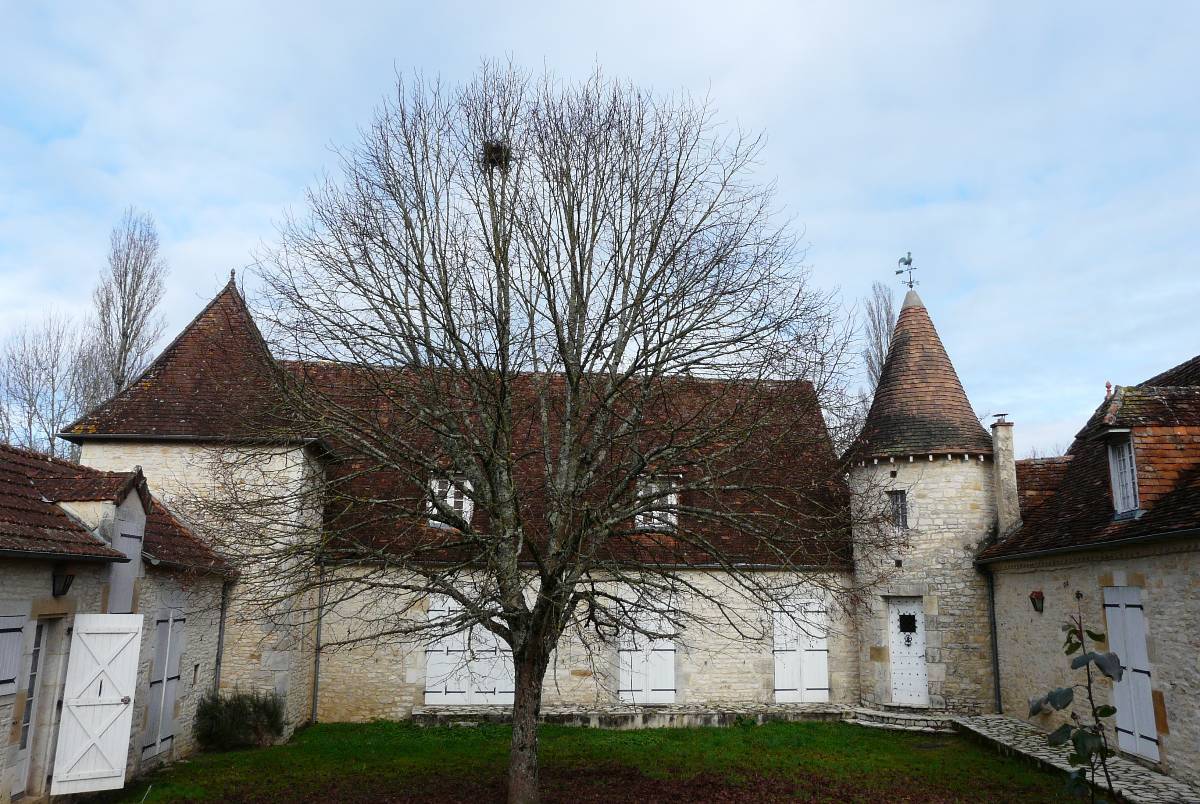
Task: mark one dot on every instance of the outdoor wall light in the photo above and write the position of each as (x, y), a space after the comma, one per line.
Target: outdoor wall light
(1038, 600)
(60, 581)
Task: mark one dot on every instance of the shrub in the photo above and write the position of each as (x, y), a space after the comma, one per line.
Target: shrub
(239, 720)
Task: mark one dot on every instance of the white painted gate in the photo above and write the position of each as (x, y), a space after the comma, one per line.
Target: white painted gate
(802, 653)
(906, 648)
(97, 711)
(646, 666)
(471, 667)
(1137, 731)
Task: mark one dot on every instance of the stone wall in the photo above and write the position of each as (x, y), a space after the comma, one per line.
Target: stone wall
(714, 665)
(1031, 657)
(951, 511)
(266, 652)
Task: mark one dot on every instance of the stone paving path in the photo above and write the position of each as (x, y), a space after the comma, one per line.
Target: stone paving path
(1132, 781)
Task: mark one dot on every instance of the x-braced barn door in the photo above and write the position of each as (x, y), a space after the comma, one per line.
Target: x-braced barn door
(97, 712)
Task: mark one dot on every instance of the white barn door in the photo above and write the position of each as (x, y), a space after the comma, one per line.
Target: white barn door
(1137, 731)
(97, 712)
(470, 667)
(801, 648)
(646, 666)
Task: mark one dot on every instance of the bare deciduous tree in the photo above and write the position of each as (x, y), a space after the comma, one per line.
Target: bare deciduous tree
(879, 312)
(560, 357)
(39, 383)
(126, 324)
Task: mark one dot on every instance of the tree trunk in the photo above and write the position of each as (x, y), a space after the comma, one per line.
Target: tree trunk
(523, 751)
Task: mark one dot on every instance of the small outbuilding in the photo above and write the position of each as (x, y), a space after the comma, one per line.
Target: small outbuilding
(110, 619)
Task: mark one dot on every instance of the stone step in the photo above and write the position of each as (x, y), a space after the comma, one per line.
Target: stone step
(928, 721)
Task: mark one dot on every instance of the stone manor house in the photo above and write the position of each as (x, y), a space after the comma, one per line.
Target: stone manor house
(999, 551)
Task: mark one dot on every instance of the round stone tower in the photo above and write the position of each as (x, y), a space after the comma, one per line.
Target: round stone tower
(922, 483)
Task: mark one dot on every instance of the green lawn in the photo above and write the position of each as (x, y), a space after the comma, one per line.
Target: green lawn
(399, 762)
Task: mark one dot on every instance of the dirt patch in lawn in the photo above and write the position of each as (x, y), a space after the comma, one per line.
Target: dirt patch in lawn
(613, 783)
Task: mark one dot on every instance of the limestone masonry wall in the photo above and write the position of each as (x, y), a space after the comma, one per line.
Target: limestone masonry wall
(951, 511)
(265, 653)
(1031, 657)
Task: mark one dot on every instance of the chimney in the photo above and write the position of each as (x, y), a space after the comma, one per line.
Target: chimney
(1004, 477)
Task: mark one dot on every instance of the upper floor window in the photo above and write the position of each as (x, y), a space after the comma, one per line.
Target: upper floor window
(898, 509)
(660, 495)
(1123, 474)
(453, 496)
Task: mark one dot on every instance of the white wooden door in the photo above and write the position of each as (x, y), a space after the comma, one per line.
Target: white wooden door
(802, 653)
(97, 711)
(169, 642)
(646, 666)
(1137, 731)
(906, 647)
(470, 667)
(29, 720)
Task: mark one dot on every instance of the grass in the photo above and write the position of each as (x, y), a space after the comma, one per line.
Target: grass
(811, 761)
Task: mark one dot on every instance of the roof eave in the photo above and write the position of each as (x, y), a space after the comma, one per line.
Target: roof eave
(1108, 544)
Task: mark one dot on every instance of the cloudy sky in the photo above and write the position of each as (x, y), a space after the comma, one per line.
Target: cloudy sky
(1041, 160)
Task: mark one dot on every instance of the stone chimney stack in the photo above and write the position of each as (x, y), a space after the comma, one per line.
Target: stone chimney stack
(1004, 473)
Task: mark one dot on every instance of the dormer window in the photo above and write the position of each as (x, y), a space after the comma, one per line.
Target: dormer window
(452, 494)
(661, 496)
(898, 509)
(1123, 473)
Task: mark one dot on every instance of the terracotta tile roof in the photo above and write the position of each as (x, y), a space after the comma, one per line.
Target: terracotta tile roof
(30, 521)
(919, 405)
(211, 382)
(1037, 481)
(1164, 423)
(214, 382)
(170, 542)
(1186, 373)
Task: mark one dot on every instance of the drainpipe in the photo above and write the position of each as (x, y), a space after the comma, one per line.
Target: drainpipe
(225, 585)
(316, 686)
(991, 589)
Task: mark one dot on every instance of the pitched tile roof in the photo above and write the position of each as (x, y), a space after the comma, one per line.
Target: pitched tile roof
(211, 382)
(168, 541)
(32, 523)
(1037, 481)
(919, 405)
(1164, 422)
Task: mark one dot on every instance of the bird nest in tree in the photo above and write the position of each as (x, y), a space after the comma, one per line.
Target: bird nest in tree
(496, 154)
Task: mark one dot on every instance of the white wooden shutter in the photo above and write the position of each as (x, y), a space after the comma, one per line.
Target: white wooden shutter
(1137, 731)
(445, 659)
(801, 654)
(97, 712)
(12, 639)
(786, 647)
(646, 667)
(814, 645)
(169, 643)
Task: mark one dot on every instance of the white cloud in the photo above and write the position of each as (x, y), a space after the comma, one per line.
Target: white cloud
(1039, 161)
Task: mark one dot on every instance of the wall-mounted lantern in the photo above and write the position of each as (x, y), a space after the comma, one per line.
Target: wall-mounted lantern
(60, 581)
(1038, 600)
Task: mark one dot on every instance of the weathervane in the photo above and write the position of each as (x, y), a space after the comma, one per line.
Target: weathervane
(905, 264)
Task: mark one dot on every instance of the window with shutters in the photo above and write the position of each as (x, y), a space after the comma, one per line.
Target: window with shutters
(898, 509)
(1123, 473)
(12, 638)
(658, 495)
(452, 494)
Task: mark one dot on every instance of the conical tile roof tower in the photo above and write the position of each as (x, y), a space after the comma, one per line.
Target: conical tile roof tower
(920, 406)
